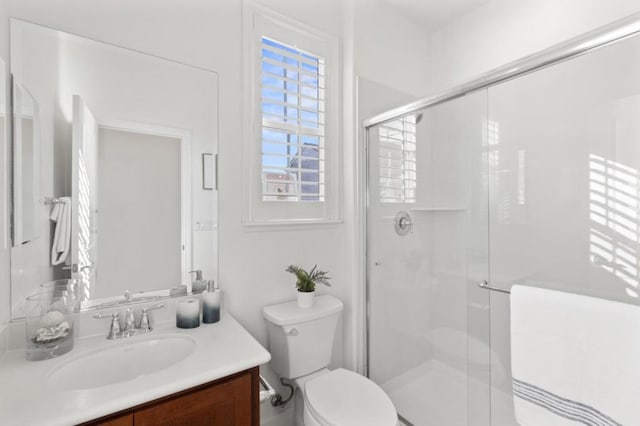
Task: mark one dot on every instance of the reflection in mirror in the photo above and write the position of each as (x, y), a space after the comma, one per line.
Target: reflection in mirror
(84, 199)
(26, 170)
(121, 205)
(136, 205)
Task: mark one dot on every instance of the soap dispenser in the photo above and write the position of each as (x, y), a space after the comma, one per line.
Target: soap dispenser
(198, 285)
(211, 303)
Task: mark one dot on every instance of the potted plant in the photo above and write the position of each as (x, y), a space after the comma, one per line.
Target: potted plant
(306, 283)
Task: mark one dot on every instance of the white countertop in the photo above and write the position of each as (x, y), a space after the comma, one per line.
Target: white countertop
(27, 398)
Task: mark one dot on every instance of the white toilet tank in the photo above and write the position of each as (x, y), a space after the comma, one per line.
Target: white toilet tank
(301, 339)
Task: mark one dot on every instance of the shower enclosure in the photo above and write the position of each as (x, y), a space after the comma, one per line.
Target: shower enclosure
(527, 175)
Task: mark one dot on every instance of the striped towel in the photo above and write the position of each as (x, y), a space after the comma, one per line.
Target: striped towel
(562, 407)
(574, 359)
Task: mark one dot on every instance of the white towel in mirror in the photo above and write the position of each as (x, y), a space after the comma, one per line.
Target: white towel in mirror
(61, 216)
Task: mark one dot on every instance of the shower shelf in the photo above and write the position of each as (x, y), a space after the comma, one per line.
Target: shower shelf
(437, 209)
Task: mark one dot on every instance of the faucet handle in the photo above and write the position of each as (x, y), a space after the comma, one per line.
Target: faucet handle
(145, 321)
(114, 328)
(129, 323)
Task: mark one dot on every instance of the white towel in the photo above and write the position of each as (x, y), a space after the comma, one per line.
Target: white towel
(61, 215)
(574, 359)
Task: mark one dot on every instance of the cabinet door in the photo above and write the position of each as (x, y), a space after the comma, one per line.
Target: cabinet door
(124, 420)
(225, 404)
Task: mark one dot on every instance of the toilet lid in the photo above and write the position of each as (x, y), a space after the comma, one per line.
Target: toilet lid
(344, 398)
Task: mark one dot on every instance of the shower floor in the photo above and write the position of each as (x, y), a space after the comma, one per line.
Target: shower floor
(432, 394)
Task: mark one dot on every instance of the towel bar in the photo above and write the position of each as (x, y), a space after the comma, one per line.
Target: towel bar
(48, 201)
(486, 286)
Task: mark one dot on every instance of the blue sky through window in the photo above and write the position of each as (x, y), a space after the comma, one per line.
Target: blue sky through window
(292, 104)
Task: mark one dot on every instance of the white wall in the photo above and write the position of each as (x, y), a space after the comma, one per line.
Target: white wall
(505, 30)
(390, 49)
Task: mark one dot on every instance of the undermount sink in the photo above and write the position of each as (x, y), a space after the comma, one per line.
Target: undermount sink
(125, 360)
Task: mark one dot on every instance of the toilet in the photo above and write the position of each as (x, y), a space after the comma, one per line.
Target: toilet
(301, 344)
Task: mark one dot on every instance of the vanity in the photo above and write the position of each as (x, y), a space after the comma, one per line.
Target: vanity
(115, 188)
(207, 375)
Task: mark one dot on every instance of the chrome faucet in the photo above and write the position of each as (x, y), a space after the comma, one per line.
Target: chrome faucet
(130, 328)
(114, 327)
(129, 323)
(145, 321)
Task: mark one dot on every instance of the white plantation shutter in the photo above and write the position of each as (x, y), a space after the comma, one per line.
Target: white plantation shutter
(291, 133)
(292, 97)
(397, 160)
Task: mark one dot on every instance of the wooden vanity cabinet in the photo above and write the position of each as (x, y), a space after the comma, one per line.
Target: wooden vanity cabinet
(230, 401)
(121, 420)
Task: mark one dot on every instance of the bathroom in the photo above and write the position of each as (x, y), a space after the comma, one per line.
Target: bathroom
(405, 269)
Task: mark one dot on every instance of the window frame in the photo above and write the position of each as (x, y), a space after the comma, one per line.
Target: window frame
(259, 22)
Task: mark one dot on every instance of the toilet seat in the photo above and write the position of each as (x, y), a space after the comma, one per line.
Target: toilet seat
(344, 398)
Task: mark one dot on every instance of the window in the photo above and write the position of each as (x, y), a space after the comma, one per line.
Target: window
(292, 92)
(291, 136)
(397, 160)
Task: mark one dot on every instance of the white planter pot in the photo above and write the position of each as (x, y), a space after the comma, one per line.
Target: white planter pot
(305, 299)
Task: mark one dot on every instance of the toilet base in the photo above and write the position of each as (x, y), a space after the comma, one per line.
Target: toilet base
(309, 420)
(300, 410)
(305, 414)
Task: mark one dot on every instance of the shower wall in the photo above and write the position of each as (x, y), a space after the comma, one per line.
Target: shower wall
(531, 181)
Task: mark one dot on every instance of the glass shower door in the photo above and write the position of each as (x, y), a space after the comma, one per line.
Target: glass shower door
(565, 189)
(427, 249)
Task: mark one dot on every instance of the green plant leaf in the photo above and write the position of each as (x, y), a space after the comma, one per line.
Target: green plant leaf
(306, 281)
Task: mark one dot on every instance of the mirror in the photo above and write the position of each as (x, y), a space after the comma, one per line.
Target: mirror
(110, 186)
(26, 170)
